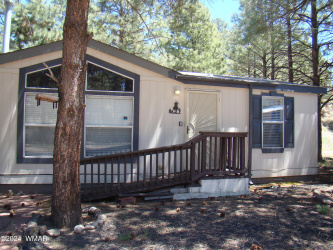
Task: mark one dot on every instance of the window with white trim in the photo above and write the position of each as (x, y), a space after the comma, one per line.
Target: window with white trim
(39, 125)
(108, 125)
(272, 121)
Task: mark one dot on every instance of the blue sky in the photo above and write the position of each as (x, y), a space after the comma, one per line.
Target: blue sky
(222, 8)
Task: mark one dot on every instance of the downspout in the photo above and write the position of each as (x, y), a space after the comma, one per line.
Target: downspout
(8, 21)
(250, 132)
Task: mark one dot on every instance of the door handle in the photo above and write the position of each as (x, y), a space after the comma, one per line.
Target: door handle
(188, 129)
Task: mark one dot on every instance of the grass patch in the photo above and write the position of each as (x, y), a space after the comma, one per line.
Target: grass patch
(324, 209)
(125, 237)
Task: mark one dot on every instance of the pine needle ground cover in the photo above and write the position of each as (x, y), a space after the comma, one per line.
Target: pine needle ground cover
(271, 217)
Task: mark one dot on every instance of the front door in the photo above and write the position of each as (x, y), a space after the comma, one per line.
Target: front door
(202, 115)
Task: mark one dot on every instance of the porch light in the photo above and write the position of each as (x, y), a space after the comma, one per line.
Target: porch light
(177, 91)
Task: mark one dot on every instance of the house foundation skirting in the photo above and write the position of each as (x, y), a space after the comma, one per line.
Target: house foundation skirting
(26, 188)
(266, 180)
(213, 188)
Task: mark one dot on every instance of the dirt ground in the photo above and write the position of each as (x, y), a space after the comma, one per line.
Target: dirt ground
(271, 217)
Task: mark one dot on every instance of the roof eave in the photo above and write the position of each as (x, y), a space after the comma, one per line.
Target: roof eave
(256, 83)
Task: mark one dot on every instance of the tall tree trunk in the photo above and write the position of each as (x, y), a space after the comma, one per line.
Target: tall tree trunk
(248, 63)
(264, 65)
(66, 202)
(315, 69)
(272, 62)
(290, 53)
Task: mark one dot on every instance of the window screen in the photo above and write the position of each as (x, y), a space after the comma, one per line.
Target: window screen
(39, 124)
(272, 121)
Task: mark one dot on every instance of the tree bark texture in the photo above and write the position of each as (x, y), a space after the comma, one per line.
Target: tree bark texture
(66, 201)
(315, 68)
(290, 53)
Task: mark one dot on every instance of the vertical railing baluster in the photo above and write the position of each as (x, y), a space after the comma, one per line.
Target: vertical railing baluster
(163, 159)
(156, 167)
(138, 170)
(175, 164)
(216, 167)
(91, 176)
(204, 155)
(234, 152)
(118, 173)
(224, 156)
(112, 175)
(132, 171)
(144, 169)
(186, 163)
(221, 154)
(105, 175)
(192, 163)
(239, 156)
(199, 155)
(230, 153)
(151, 167)
(210, 155)
(85, 177)
(169, 164)
(243, 167)
(125, 171)
(99, 174)
(181, 164)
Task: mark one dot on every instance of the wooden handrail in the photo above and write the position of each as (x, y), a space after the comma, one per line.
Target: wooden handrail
(210, 153)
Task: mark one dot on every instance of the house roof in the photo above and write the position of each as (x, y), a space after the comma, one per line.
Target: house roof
(93, 44)
(185, 77)
(240, 81)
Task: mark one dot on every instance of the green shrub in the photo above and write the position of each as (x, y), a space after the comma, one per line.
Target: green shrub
(324, 209)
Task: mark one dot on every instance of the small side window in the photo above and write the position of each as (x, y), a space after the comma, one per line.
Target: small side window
(272, 122)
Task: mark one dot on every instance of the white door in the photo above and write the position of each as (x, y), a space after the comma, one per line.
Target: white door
(202, 115)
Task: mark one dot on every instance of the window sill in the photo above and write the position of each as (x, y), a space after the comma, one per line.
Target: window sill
(272, 150)
(33, 160)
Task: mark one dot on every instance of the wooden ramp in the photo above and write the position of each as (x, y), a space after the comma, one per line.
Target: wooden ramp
(209, 154)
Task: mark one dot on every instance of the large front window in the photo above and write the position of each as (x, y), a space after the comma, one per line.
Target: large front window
(109, 124)
(272, 121)
(109, 130)
(39, 124)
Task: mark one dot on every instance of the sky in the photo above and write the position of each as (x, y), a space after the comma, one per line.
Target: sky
(222, 8)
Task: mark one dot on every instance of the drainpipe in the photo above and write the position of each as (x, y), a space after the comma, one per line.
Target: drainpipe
(8, 20)
(250, 131)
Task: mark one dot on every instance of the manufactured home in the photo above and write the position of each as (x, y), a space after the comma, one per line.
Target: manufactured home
(147, 127)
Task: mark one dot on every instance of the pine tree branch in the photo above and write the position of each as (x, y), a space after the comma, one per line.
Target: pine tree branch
(326, 102)
(51, 75)
(145, 24)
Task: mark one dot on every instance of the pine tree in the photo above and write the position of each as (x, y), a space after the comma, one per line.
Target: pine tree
(194, 43)
(34, 23)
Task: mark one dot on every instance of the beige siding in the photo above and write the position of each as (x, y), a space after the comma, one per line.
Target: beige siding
(8, 126)
(157, 127)
(300, 160)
